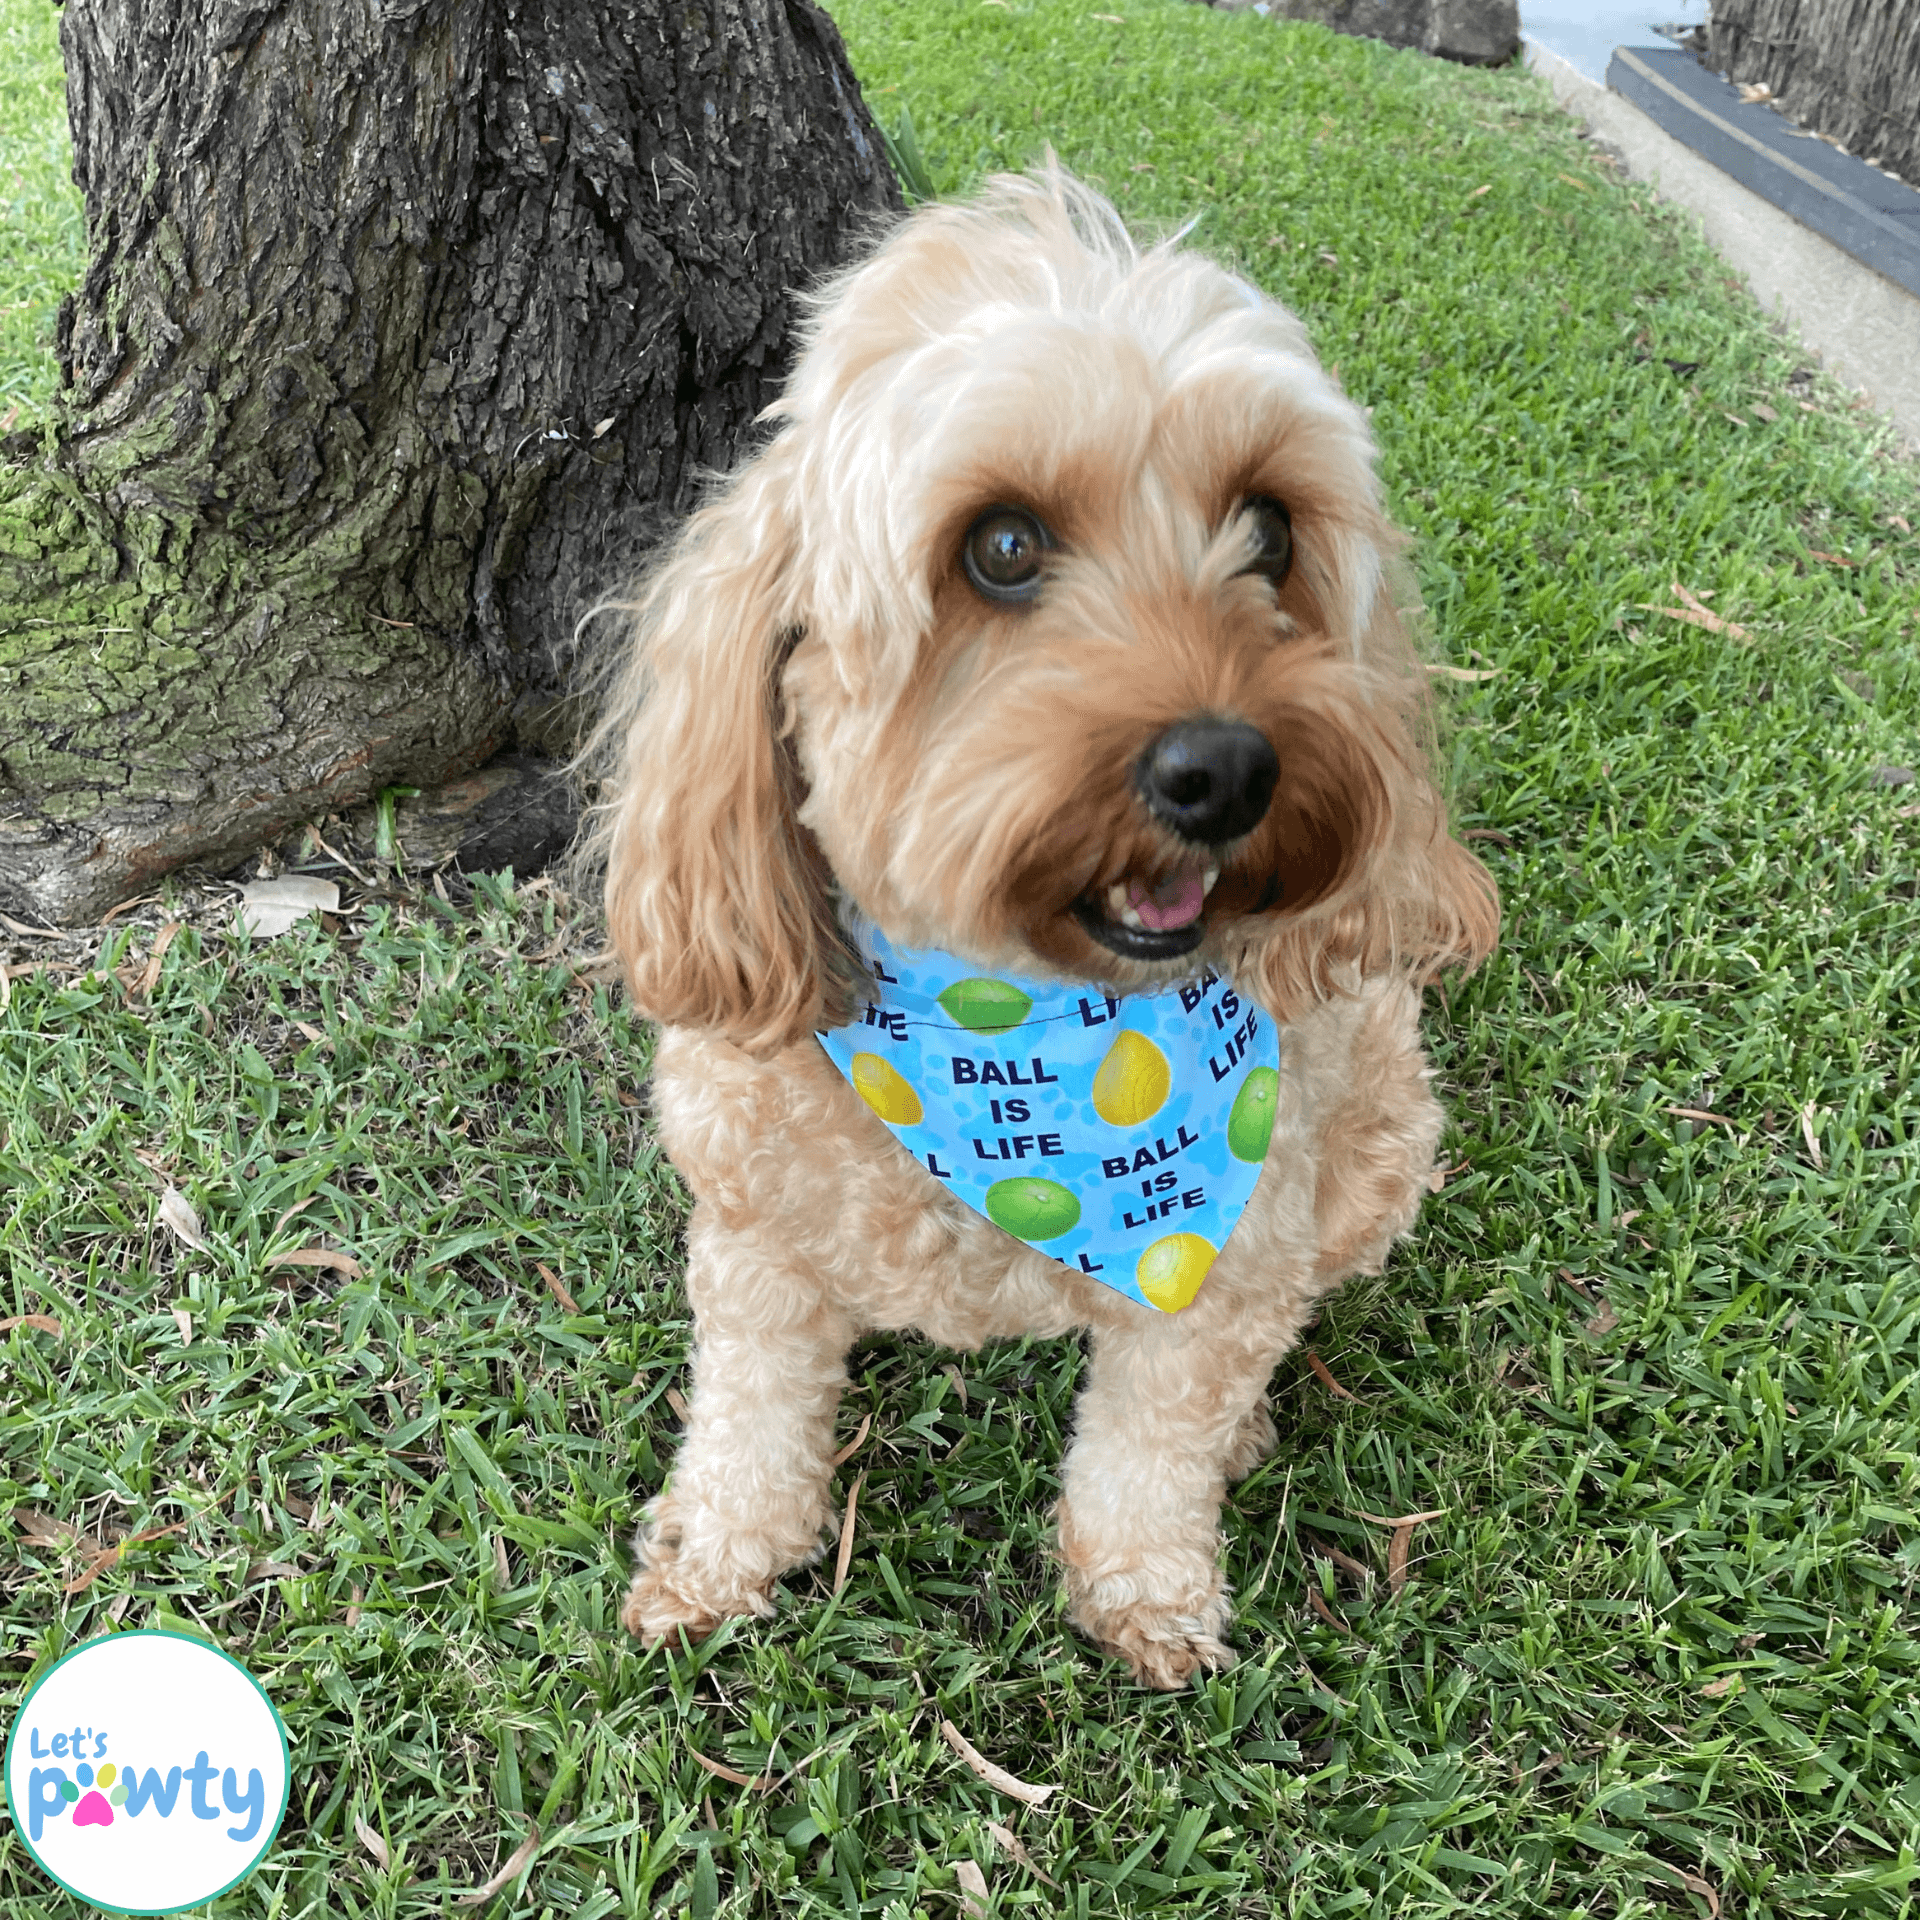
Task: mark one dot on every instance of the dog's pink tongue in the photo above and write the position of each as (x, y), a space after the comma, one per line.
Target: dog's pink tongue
(1174, 903)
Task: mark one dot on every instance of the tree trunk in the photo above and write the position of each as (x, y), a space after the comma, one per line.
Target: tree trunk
(409, 323)
(1849, 68)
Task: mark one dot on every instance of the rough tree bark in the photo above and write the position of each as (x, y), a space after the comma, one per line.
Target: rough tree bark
(408, 323)
(1849, 68)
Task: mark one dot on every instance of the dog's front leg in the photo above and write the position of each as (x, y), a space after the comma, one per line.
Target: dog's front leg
(748, 1495)
(1164, 1412)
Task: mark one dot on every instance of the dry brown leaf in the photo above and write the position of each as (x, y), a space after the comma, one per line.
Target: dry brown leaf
(502, 1566)
(1572, 182)
(1765, 412)
(846, 1532)
(299, 1206)
(1397, 1559)
(183, 1319)
(1811, 1138)
(854, 1445)
(1696, 613)
(516, 1860)
(1325, 1612)
(313, 1034)
(1485, 187)
(39, 1322)
(1320, 1686)
(1693, 1884)
(176, 1213)
(1344, 1561)
(320, 1257)
(1832, 559)
(973, 1887)
(373, 1843)
(273, 1570)
(996, 1777)
(1468, 673)
(557, 1288)
(1700, 1113)
(353, 1608)
(1327, 1380)
(959, 1380)
(759, 1782)
(145, 977)
(1725, 1684)
(129, 906)
(26, 932)
(270, 907)
(677, 1401)
(1009, 1843)
(1403, 1526)
(43, 1530)
(1602, 1323)
(109, 1555)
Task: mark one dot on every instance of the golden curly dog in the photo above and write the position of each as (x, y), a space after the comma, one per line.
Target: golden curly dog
(1052, 628)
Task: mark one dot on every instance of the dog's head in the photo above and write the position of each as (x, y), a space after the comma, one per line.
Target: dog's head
(1053, 628)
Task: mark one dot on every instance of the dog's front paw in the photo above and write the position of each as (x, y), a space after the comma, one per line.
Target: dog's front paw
(673, 1594)
(1165, 1646)
(661, 1604)
(1165, 1614)
(1253, 1440)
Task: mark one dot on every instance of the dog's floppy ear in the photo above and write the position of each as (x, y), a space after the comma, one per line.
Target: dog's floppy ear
(1416, 901)
(716, 897)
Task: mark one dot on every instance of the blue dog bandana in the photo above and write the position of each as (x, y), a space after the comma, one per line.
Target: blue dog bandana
(1121, 1137)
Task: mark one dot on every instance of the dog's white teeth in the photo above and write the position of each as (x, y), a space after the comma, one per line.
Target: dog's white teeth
(1211, 875)
(1117, 901)
(1129, 918)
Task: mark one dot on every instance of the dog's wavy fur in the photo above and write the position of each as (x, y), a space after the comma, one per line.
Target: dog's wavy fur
(818, 712)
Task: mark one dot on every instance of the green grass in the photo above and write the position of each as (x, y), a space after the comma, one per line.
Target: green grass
(1659, 1650)
(42, 231)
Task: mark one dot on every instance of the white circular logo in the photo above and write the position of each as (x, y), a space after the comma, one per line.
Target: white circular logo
(147, 1772)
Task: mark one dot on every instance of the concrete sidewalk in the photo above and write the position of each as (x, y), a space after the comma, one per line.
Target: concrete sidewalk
(1864, 326)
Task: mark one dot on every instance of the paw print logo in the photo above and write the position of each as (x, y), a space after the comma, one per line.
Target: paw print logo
(97, 1794)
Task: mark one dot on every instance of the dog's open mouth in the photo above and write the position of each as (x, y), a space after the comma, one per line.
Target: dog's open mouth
(1142, 920)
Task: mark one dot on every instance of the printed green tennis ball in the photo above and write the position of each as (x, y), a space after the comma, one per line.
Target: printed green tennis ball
(1170, 1271)
(885, 1091)
(1032, 1209)
(1250, 1124)
(986, 1006)
(1132, 1082)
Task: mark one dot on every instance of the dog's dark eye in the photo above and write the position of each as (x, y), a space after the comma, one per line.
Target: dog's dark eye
(1003, 553)
(1273, 525)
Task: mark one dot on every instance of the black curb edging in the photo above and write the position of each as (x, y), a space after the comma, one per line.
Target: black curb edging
(1872, 217)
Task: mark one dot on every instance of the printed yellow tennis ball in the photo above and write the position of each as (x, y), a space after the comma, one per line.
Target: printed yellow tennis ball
(1133, 1081)
(876, 1082)
(986, 1006)
(1032, 1209)
(1170, 1271)
(1250, 1124)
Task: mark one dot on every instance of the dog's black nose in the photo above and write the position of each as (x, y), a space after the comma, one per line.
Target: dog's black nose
(1208, 779)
